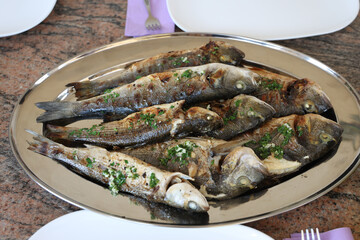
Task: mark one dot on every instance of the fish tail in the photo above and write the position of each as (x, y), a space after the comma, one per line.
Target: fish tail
(87, 89)
(41, 144)
(56, 110)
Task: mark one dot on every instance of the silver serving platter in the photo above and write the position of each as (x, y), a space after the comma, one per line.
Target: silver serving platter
(108, 60)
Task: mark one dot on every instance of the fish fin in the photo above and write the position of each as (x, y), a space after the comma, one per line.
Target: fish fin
(86, 89)
(55, 132)
(40, 144)
(56, 110)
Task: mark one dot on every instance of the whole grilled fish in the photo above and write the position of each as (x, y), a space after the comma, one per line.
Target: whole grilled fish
(217, 176)
(240, 114)
(150, 125)
(125, 173)
(212, 52)
(292, 141)
(195, 84)
(290, 95)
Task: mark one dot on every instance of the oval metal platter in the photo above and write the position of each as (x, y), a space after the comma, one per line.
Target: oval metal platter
(108, 61)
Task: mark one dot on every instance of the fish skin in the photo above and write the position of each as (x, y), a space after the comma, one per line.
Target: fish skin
(240, 114)
(172, 188)
(218, 177)
(195, 84)
(313, 137)
(212, 52)
(295, 96)
(169, 121)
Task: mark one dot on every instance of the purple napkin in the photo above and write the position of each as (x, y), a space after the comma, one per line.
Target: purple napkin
(137, 14)
(335, 234)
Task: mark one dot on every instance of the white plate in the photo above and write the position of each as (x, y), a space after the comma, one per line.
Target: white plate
(17, 16)
(264, 19)
(88, 225)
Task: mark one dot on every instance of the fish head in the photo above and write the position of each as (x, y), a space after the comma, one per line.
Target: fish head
(228, 54)
(252, 107)
(219, 51)
(184, 195)
(241, 171)
(233, 80)
(206, 120)
(309, 97)
(317, 134)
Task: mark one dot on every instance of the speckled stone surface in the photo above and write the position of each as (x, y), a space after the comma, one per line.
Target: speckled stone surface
(77, 26)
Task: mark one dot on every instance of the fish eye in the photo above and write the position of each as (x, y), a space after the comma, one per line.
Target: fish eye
(240, 85)
(309, 106)
(209, 117)
(325, 137)
(192, 205)
(244, 180)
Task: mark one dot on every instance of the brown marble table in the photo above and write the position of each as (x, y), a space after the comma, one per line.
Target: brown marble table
(77, 26)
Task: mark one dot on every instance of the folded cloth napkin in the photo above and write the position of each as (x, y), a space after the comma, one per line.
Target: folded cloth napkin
(335, 234)
(137, 14)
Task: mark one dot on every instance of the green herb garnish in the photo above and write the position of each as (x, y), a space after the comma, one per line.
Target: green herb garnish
(230, 118)
(180, 153)
(110, 95)
(237, 103)
(300, 130)
(116, 180)
(89, 162)
(153, 180)
(270, 84)
(149, 119)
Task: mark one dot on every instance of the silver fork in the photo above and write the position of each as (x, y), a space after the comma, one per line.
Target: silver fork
(151, 23)
(307, 234)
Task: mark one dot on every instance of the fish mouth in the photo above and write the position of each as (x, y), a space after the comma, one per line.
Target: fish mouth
(183, 194)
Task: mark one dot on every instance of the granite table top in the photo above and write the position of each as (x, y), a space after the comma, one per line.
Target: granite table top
(74, 27)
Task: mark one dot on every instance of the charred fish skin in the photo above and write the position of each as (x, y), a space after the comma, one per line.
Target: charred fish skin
(301, 138)
(125, 173)
(218, 177)
(195, 84)
(212, 52)
(152, 124)
(290, 95)
(239, 114)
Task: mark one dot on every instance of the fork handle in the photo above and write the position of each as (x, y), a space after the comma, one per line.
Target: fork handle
(147, 4)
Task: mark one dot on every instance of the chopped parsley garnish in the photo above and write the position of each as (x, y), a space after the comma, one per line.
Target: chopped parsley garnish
(131, 172)
(138, 77)
(87, 131)
(237, 103)
(300, 130)
(149, 119)
(89, 162)
(230, 118)
(116, 180)
(187, 74)
(287, 131)
(270, 84)
(110, 95)
(161, 112)
(172, 106)
(153, 180)
(265, 147)
(180, 153)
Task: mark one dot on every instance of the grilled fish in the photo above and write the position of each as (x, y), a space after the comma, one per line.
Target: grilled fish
(151, 124)
(202, 83)
(217, 176)
(290, 95)
(240, 114)
(124, 173)
(212, 52)
(288, 143)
